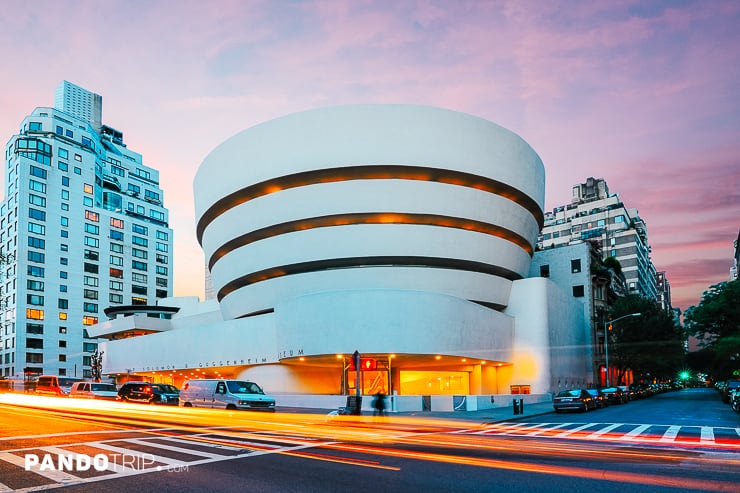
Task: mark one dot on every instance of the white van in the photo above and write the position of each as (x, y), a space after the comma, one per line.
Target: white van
(225, 394)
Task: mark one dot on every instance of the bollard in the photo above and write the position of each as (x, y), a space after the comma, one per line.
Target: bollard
(516, 406)
(521, 406)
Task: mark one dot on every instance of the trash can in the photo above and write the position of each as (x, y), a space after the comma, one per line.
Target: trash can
(354, 405)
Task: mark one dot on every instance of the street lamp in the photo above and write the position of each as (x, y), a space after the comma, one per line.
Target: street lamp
(606, 340)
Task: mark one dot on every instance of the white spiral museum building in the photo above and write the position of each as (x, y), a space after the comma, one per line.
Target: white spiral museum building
(403, 232)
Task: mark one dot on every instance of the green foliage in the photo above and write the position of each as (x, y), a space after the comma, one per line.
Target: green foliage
(613, 263)
(651, 345)
(715, 322)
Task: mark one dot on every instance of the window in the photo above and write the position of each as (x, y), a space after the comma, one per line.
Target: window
(578, 291)
(117, 273)
(34, 329)
(544, 270)
(65, 195)
(116, 223)
(35, 299)
(90, 307)
(90, 281)
(86, 201)
(162, 293)
(138, 289)
(116, 285)
(35, 271)
(149, 195)
(162, 259)
(116, 260)
(32, 285)
(90, 294)
(34, 314)
(89, 320)
(156, 215)
(91, 255)
(64, 221)
(36, 214)
(77, 170)
(137, 228)
(115, 298)
(37, 200)
(135, 264)
(33, 343)
(162, 235)
(162, 282)
(37, 186)
(36, 228)
(63, 274)
(116, 235)
(138, 240)
(63, 260)
(38, 172)
(138, 277)
(134, 189)
(63, 304)
(117, 171)
(138, 253)
(87, 188)
(62, 357)
(89, 347)
(161, 270)
(37, 257)
(91, 268)
(143, 174)
(64, 247)
(62, 330)
(92, 242)
(116, 247)
(575, 266)
(34, 126)
(36, 242)
(64, 233)
(65, 181)
(162, 247)
(138, 301)
(62, 153)
(92, 229)
(63, 166)
(86, 142)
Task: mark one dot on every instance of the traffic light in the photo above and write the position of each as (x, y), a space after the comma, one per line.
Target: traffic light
(368, 364)
(610, 326)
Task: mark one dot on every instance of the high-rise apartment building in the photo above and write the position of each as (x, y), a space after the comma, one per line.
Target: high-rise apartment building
(595, 214)
(82, 227)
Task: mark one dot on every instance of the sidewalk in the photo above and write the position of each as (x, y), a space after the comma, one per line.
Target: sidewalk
(495, 415)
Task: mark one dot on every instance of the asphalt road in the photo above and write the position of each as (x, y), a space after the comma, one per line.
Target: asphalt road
(680, 441)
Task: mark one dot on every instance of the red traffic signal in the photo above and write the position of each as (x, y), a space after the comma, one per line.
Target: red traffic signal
(368, 364)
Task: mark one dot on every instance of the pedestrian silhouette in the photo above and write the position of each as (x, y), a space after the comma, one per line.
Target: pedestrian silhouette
(379, 404)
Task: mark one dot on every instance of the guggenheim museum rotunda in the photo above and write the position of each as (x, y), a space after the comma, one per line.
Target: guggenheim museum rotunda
(402, 232)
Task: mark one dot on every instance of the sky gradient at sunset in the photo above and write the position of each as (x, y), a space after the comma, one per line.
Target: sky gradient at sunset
(643, 94)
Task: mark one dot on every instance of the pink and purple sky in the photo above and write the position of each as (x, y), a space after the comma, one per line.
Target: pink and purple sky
(645, 94)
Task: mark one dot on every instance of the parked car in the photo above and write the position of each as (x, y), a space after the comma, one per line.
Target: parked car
(735, 400)
(599, 397)
(573, 400)
(727, 387)
(628, 394)
(225, 394)
(614, 395)
(53, 385)
(149, 393)
(94, 390)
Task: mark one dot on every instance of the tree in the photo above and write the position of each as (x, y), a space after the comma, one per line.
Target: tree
(651, 345)
(715, 322)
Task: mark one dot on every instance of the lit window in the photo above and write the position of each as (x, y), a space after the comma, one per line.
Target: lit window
(62, 315)
(89, 320)
(92, 216)
(88, 188)
(33, 314)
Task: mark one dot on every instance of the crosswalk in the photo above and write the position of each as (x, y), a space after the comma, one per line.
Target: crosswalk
(47, 467)
(702, 436)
